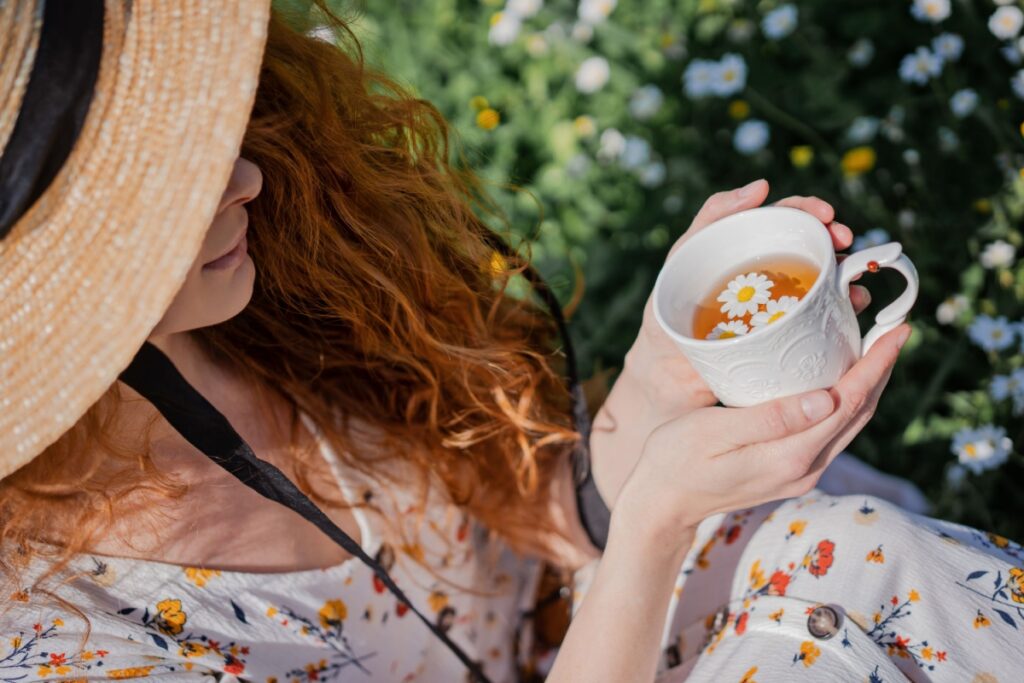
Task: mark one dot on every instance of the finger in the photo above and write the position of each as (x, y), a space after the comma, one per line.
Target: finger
(860, 297)
(794, 455)
(815, 206)
(722, 204)
(783, 417)
(842, 236)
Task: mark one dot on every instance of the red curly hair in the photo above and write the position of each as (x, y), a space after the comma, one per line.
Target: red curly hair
(378, 300)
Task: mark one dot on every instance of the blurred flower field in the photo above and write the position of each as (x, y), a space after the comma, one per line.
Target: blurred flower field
(906, 115)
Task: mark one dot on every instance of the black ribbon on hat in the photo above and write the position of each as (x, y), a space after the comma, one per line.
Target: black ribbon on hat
(49, 122)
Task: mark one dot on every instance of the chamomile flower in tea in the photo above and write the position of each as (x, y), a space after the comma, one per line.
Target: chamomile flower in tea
(774, 309)
(744, 294)
(733, 328)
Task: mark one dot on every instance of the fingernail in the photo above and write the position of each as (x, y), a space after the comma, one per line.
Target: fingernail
(816, 405)
(748, 188)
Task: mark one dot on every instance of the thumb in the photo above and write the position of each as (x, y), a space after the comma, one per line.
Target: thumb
(772, 420)
(722, 204)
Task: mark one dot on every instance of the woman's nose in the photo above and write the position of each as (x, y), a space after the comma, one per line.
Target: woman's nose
(243, 186)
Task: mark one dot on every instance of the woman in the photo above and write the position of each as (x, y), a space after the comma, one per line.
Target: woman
(341, 305)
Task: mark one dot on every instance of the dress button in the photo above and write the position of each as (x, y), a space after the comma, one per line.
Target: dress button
(824, 622)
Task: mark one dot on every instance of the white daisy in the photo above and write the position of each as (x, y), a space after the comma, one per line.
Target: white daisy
(635, 153)
(963, 102)
(733, 328)
(645, 102)
(698, 77)
(932, 11)
(1009, 386)
(731, 75)
(919, 66)
(872, 238)
(592, 74)
(740, 30)
(582, 32)
(505, 27)
(612, 144)
(1011, 53)
(863, 129)
(1006, 22)
(948, 46)
(745, 294)
(595, 11)
(861, 52)
(780, 22)
(955, 476)
(906, 219)
(998, 254)
(948, 139)
(524, 8)
(652, 174)
(951, 309)
(911, 156)
(991, 334)
(775, 309)
(984, 448)
(751, 136)
(1017, 83)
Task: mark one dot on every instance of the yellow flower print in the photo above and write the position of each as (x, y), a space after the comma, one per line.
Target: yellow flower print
(58, 622)
(927, 653)
(776, 616)
(981, 621)
(271, 611)
(809, 652)
(984, 677)
(200, 576)
(796, 527)
(997, 540)
(749, 676)
(1016, 584)
(415, 551)
(437, 601)
(133, 672)
(876, 556)
(702, 556)
(333, 613)
(190, 648)
(757, 578)
(15, 642)
(914, 596)
(170, 618)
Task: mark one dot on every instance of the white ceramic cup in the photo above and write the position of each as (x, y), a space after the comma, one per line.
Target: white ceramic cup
(810, 347)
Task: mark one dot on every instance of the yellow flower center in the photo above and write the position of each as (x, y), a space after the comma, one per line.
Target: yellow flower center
(997, 334)
(776, 316)
(726, 334)
(971, 450)
(745, 294)
(729, 75)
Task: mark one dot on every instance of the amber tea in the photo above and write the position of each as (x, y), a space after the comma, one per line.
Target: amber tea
(754, 296)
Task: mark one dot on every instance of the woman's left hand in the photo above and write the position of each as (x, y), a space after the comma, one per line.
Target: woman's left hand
(667, 379)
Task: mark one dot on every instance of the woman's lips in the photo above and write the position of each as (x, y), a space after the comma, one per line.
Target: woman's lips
(232, 258)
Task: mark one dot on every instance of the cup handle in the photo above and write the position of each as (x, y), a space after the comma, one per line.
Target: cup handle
(883, 256)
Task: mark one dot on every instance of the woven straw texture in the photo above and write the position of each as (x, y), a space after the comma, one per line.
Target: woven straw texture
(89, 270)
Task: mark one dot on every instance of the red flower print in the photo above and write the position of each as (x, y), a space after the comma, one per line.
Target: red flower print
(37, 627)
(902, 642)
(57, 658)
(378, 585)
(102, 653)
(779, 582)
(941, 654)
(741, 623)
(462, 532)
(733, 534)
(895, 600)
(245, 650)
(401, 608)
(234, 666)
(823, 558)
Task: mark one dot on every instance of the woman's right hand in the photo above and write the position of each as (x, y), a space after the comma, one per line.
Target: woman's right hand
(718, 459)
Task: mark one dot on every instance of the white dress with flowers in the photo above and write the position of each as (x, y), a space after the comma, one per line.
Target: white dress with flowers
(151, 619)
(914, 598)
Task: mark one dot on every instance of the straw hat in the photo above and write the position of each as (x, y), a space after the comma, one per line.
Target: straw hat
(90, 266)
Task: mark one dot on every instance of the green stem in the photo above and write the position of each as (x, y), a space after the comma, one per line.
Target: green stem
(788, 120)
(931, 392)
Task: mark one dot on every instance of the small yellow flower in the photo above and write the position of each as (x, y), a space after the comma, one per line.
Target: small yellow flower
(982, 205)
(809, 652)
(495, 18)
(749, 676)
(801, 156)
(666, 40)
(15, 642)
(858, 160)
(927, 653)
(739, 109)
(776, 616)
(1022, 128)
(981, 621)
(333, 613)
(58, 622)
(193, 649)
(914, 596)
(1016, 585)
(271, 611)
(200, 576)
(437, 601)
(876, 556)
(133, 672)
(999, 541)
(877, 617)
(757, 579)
(170, 618)
(488, 119)
(479, 103)
(584, 125)
(797, 526)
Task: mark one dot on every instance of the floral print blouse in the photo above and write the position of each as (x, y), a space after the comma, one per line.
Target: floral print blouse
(151, 619)
(843, 588)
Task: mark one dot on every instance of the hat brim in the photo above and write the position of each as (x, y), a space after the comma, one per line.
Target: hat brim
(90, 269)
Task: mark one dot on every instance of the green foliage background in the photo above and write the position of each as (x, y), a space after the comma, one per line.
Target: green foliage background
(598, 217)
